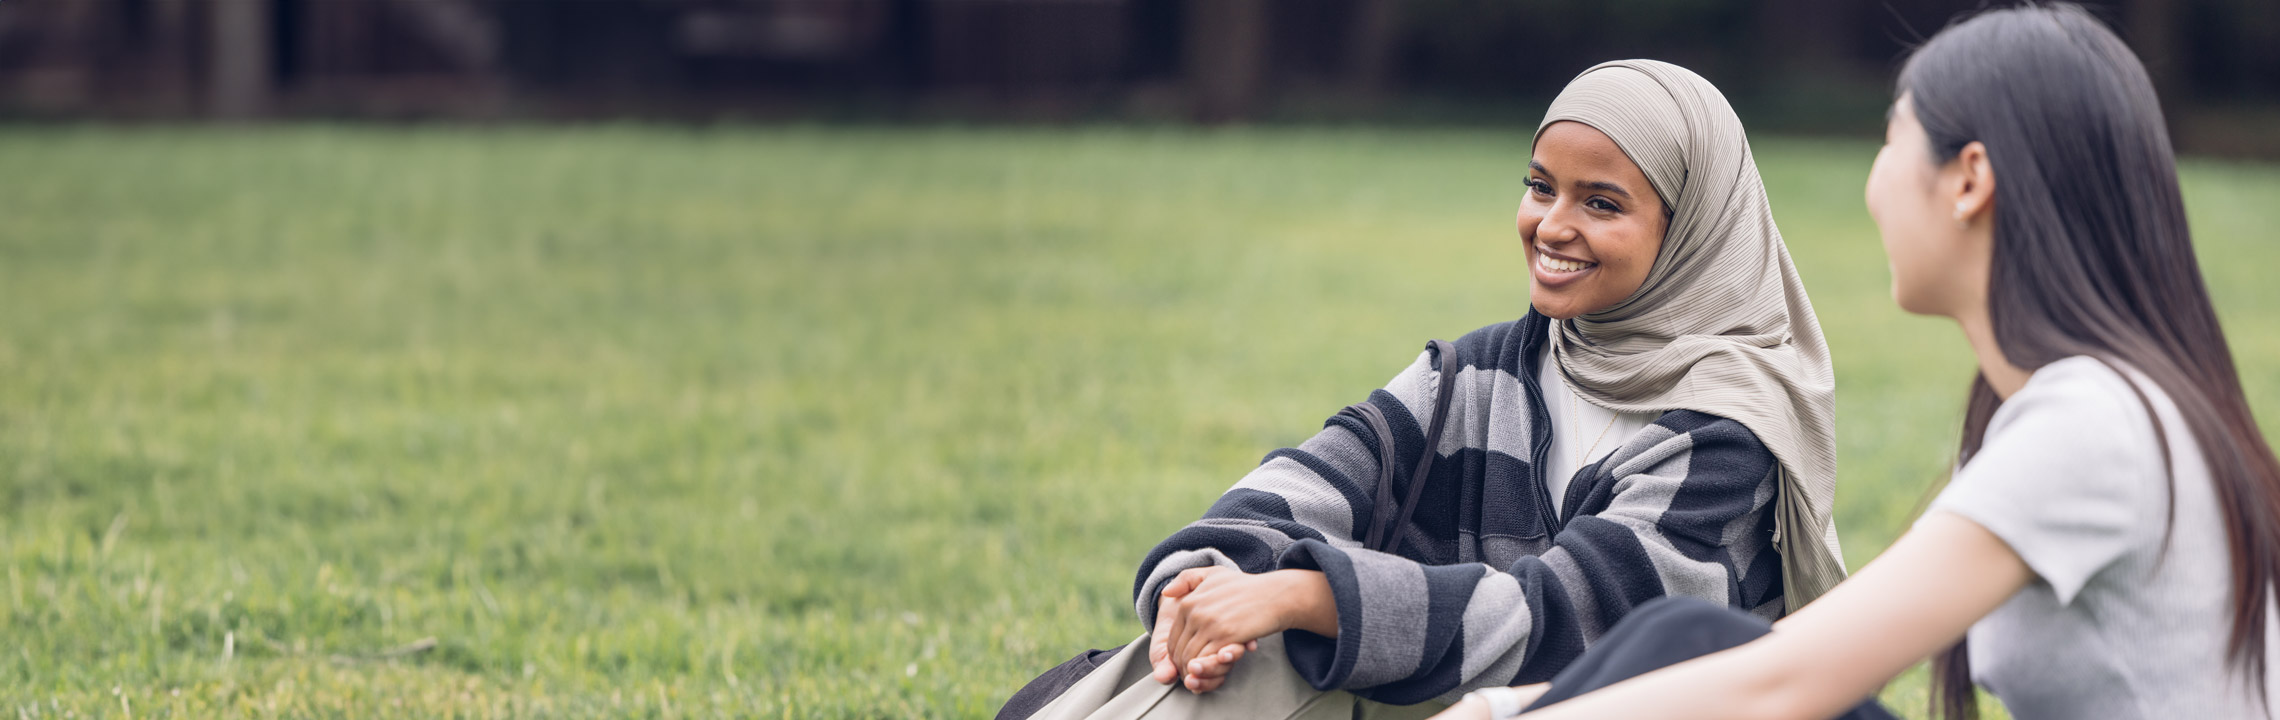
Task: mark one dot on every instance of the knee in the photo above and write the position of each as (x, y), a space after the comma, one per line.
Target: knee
(1690, 616)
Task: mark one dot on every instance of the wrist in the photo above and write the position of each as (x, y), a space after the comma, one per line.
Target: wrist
(1308, 603)
(1501, 702)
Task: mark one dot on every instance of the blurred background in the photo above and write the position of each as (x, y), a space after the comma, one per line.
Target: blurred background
(828, 358)
(1815, 65)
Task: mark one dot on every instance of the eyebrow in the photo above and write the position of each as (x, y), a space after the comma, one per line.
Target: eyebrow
(1609, 187)
(1601, 185)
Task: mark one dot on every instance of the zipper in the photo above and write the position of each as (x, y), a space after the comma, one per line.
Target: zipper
(1578, 490)
(1540, 433)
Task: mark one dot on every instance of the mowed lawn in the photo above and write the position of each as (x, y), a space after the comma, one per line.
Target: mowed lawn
(759, 422)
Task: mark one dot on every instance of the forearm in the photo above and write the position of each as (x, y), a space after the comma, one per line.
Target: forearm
(1751, 681)
(1406, 631)
(1836, 652)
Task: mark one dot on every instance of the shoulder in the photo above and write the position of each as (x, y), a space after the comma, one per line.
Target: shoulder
(1696, 429)
(1502, 346)
(2077, 402)
(2075, 433)
(2069, 474)
(1706, 442)
(1483, 351)
(1701, 426)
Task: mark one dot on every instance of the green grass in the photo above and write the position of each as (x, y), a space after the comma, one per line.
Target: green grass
(756, 422)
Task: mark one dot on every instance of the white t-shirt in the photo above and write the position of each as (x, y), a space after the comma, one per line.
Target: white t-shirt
(2070, 477)
(1576, 423)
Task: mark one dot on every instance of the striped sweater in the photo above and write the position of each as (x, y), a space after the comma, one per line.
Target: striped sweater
(1492, 586)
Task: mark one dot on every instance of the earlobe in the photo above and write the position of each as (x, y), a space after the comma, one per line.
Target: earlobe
(1977, 194)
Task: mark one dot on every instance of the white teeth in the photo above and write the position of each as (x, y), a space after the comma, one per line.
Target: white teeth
(1553, 264)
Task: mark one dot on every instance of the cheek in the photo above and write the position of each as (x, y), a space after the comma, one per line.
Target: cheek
(1913, 239)
(1873, 193)
(1526, 220)
(1632, 256)
(1897, 213)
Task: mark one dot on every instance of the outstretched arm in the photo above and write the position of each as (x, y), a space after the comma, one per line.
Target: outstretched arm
(1915, 599)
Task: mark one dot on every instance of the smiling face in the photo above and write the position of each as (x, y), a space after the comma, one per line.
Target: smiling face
(1591, 222)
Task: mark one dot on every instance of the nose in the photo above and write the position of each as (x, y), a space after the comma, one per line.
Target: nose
(1554, 229)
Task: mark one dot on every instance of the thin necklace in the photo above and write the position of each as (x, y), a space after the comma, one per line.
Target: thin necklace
(1571, 393)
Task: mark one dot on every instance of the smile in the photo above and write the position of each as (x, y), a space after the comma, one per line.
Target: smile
(1548, 263)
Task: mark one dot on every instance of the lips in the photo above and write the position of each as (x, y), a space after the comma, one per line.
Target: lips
(1550, 262)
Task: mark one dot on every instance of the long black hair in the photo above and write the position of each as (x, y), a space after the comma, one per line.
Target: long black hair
(2093, 257)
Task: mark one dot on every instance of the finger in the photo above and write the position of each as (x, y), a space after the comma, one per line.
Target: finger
(1217, 662)
(1162, 668)
(1211, 661)
(1186, 581)
(1160, 646)
(1228, 655)
(1182, 635)
(1184, 652)
(1200, 652)
(1167, 618)
(1209, 667)
(1205, 667)
(1204, 685)
(1251, 646)
(1188, 638)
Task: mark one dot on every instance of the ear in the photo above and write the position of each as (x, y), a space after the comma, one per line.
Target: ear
(1974, 182)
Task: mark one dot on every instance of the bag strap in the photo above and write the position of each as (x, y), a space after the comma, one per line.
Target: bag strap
(1385, 525)
(1382, 497)
(1446, 353)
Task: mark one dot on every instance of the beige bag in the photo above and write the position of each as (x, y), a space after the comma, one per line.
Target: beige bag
(1262, 685)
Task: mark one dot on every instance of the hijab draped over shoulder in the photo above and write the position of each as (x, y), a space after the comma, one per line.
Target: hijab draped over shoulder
(1722, 324)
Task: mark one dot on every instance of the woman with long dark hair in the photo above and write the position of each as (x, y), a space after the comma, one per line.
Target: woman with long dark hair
(2108, 545)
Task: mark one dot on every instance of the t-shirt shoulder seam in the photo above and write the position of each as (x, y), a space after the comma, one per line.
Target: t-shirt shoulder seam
(2117, 401)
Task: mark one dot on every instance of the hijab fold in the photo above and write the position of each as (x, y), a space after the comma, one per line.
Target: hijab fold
(1722, 324)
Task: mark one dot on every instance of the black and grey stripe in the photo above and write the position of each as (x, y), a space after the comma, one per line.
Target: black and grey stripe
(1492, 587)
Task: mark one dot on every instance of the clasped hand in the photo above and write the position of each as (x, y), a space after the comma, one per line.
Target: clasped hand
(1207, 618)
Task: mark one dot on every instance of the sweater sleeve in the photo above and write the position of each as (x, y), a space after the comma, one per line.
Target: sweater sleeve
(1320, 491)
(1686, 489)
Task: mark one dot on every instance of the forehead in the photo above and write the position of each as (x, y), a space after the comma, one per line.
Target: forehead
(1902, 115)
(1568, 147)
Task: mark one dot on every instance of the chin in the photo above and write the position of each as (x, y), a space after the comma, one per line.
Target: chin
(1555, 308)
(1914, 303)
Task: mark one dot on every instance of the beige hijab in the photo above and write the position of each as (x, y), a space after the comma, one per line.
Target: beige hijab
(1722, 324)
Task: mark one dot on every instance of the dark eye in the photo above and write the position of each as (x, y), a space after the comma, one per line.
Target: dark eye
(1602, 205)
(1539, 187)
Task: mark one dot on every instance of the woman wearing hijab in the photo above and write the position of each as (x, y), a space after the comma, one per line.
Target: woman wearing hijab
(2108, 545)
(1658, 424)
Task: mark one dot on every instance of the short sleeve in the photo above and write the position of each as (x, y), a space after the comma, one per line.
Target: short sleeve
(2070, 475)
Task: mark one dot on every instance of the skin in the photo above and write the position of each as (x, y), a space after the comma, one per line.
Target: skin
(1937, 219)
(1586, 203)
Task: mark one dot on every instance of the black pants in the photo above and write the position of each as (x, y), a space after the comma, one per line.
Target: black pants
(1662, 633)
